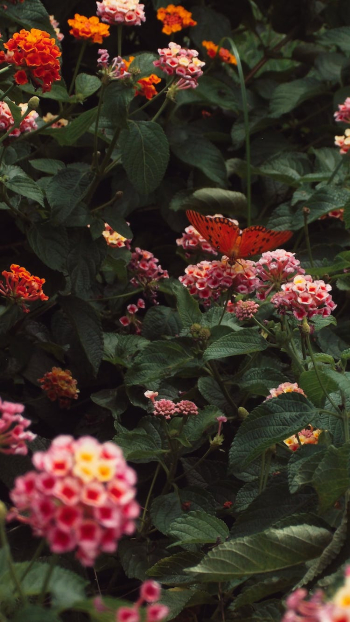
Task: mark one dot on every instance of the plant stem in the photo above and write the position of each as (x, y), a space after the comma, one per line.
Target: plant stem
(47, 578)
(120, 38)
(324, 390)
(145, 509)
(77, 66)
(10, 562)
(164, 104)
(8, 91)
(192, 468)
(246, 126)
(127, 295)
(149, 101)
(221, 384)
(34, 558)
(306, 211)
(337, 168)
(99, 107)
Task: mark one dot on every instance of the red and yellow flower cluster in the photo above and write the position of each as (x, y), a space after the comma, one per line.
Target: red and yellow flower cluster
(36, 55)
(221, 53)
(60, 385)
(174, 18)
(21, 287)
(88, 28)
(80, 497)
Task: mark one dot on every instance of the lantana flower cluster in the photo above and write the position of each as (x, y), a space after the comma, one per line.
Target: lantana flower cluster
(36, 55)
(221, 53)
(114, 239)
(210, 279)
(174, 18)
(130, 318)
(7, 121)
(59, 384)
(275, 268)
(167, 408)
(343, 142)
(304, 297)
(88, 28)
(118, 68)
(342, 115)
(146, 272)
(56, 26)
(20, 287)
(243, 309)
(150, 592)
(191, 240)
(14, 435)
(316, 608)
(285, 387)
(182, 63)
(48, 118)
(125, 12)
(80, 497)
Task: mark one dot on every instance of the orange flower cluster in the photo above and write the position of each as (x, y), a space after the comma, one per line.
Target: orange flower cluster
(145, 86)
(88, 28)
(224, 55)
(60, 385)
(36, 54)
(174, 18)
(21, 287)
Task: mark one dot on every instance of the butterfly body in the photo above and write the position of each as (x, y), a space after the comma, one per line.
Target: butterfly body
(226, 237)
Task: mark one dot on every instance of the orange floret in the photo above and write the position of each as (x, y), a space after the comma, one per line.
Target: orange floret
(21, 287)
(174, 18)
(36, 54)
(224, 55)
(146, 87)
(88, 28)
(60, 385)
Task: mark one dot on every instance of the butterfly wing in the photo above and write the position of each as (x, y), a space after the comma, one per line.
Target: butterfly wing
(258, 239)
(220, 232)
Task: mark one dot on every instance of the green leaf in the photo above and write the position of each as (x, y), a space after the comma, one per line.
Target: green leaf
(157, 361)
(217, 201)
(259, 380)
(271, 422)
(144, 444)
(194, 149)
(187, 306)
(331, 479)
(116, 100)
(172, 570)
(87, 324)
(164, 510)
(26, 187)
(112, 399)
(86, 85)
(160, 321)
(50, 244)
(83, 260)
(32, 16)
(209, 388)
(47, 165)
(323, 200)
(198, 528)
(310, 383)
(136, 558)
(175, 600)
(198, 425)
(289, 95)
(337, 36)
(69, 134)
(142, 66)
(145, 154)
(241, 342)
(268, 612)
(35, 613)
(302, 465)
(210, 91)
(273, 549)
(64, 192)
(211, 25)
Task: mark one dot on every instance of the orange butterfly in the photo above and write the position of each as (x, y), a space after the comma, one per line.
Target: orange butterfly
(230, 240)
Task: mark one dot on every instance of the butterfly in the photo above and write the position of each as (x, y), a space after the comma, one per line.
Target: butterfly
(230, 240)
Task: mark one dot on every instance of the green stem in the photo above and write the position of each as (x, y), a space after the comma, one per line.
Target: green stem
(262, 472)
(306, 211)
(145, 509)
(337, 168)
(127, 295)
(221, 384)
(246, 125)
(120, 38)
(77, 66)
(205, 455)
(229, 294)
(37, 554)
(8, 91)
(149, 101)
(264, 328)
(10, 562)
(99, 107)
(164, 104)
(324, 390)
(45, 586)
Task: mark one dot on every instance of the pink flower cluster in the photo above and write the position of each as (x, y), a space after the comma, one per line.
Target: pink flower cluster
(116, 69)
(243, 309)
(317, 608)
(273, 269)
(343, 113)
(146, 271)
(191, 240)
(167, 408)
(13, 429)
(181, 62)
(285, 387)
(125, 12)
(210, 279)
(155, 612)
(81, 496)
(130, 319)
(304, 298)
(343, 142)
(6, 120)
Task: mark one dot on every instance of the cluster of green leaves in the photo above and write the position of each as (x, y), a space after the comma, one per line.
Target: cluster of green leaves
(255, 519)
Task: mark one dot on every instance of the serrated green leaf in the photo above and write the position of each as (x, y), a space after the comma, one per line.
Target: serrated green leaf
(273, 549)
(323, 200)
(259, 380)
(116, 100)
(86, 85)
(87, 324)
(309, 381)
(64, 192)
(145, 154)
(187, 306)
(331, 478)
(289, 95)
(171, 570)
(47, 165)
(210, 201)
(302, 465)
(69, 134)
(272, 422)
(158, 360)
(198, 528)
(194, 149)
(161, 321)
(50, 244)
(26, 187)
(241, 342)
(164, 510)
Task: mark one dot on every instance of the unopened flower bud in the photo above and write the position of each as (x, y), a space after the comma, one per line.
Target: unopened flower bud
(33, 103)
(242, 412)
(305, 328)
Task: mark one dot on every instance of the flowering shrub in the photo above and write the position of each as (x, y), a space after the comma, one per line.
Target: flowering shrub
(174, 311)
